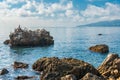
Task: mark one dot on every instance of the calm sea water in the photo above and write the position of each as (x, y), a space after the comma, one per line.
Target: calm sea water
(70, 42)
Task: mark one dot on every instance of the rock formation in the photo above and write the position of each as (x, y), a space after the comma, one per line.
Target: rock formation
(110, 68)
(56, 69)
(4, 71)
(102, 48)
(73, 69)
(24, 37)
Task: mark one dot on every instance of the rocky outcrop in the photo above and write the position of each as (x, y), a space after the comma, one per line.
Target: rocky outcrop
(102, 48)
(20, 65)
(4, 71)
(110, 68)
(57, 69)
(90, 76)
(24, 37)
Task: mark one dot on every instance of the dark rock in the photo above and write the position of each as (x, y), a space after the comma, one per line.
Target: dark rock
(102, 48)
(4, 71)
(100, 34)
(20, 65)
(25, 78)
(7, 42)
(24, 37)
(55, 68)
(110, 68)
(90, 76)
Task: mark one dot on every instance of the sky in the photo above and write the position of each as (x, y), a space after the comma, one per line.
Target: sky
(65, 13)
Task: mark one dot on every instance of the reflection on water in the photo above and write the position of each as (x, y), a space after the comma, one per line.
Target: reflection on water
(69, 42)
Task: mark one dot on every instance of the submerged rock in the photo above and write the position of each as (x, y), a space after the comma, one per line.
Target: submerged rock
(4, 71)
(20, 65)
(110, 68)
(56, 69)
(24, 37)
(100, 34)
(102, 48)
(25, 78)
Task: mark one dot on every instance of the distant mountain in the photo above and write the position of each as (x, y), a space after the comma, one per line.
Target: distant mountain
(104, 23)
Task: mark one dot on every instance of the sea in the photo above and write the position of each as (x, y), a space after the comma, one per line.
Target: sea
(69, 42)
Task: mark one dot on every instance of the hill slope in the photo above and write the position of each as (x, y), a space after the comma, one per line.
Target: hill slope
(104, 23)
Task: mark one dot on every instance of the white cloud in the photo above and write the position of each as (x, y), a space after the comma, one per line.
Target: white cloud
(94, 13)
(28, 5)
(47, 13)
(113, 9)
(53, 8)
(69, 5)
(69, 12)
(14, 1)
(3, 5)
(59, 13)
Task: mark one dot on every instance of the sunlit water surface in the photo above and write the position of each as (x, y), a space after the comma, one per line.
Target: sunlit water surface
(70, 42)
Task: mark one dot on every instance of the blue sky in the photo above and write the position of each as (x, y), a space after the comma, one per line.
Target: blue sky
(57, 12)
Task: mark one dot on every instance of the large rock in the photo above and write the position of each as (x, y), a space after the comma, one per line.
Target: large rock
(102, 48)
(110, 68)
(24, 37)
(56, 69)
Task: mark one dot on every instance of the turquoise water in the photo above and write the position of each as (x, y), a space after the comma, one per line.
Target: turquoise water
(69, 42)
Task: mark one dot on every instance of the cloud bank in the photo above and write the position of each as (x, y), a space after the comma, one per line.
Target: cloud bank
(61, 13)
